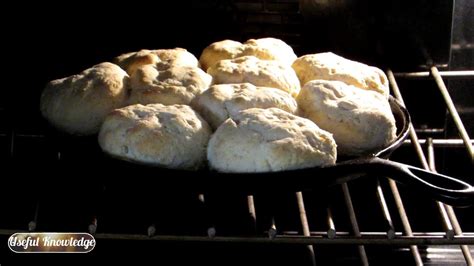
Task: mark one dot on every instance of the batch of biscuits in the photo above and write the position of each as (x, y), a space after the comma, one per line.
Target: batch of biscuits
(242, 107)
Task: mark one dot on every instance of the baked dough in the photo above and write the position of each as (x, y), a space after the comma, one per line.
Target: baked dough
(264, 48)
(361, 120)
(270, 49)
(218, 51)
(216, 103)
(173, 85)
(329, 66)
(78, 104)
(171, 136)
(176, 57)
(131, 61)
(266, 140)
(161, 58)
(258, 72)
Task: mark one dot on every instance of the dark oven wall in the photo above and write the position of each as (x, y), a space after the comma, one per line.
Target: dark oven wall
(51, 40)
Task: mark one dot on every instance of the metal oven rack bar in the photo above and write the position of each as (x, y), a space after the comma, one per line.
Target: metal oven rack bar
(438, 77)
(448, 210)
(293, 237)
(447, 213)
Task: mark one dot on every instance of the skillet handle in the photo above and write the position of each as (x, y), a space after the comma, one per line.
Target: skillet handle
(444, 188)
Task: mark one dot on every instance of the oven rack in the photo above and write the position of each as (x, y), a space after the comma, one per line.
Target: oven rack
(453, 234)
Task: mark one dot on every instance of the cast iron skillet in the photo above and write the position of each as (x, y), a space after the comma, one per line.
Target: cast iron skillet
(440, 187)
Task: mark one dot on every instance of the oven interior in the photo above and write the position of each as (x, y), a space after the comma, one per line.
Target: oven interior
(56, 183)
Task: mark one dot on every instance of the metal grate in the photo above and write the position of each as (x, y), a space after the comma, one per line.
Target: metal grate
(266, 228)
